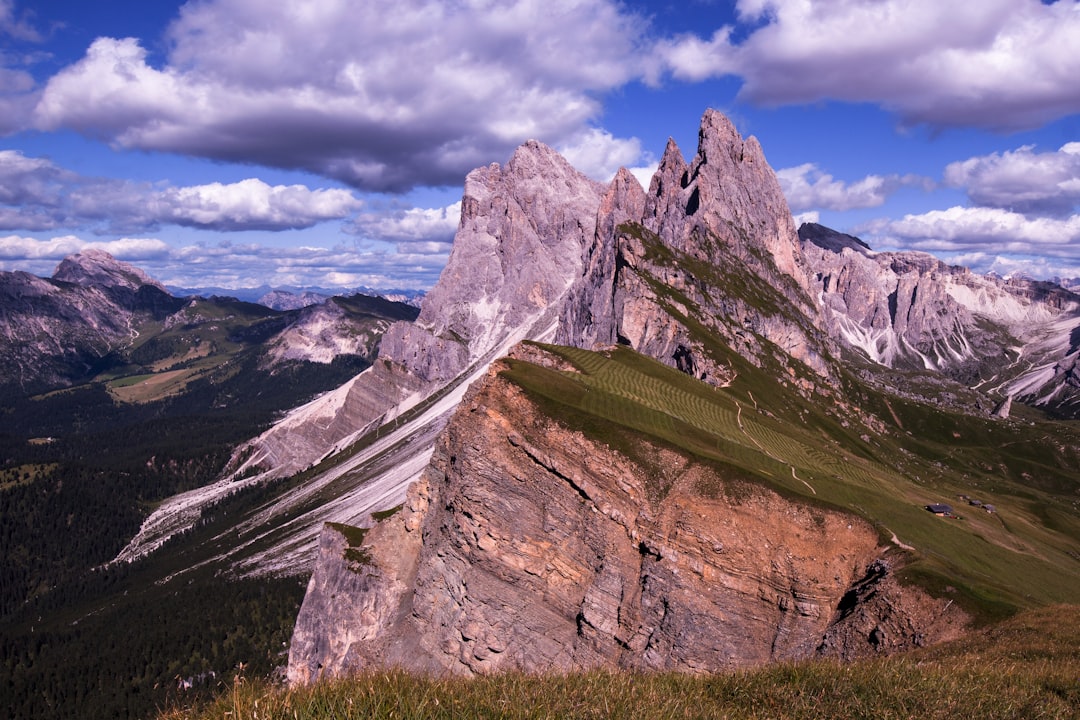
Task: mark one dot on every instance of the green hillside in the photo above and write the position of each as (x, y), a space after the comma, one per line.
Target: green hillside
(819, 449)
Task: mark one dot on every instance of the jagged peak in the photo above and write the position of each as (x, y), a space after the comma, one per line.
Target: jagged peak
(625, 179)
(96, 267)
(670, 172)
(534, 159)
(717, 131)
(623, 201)
(729, 191)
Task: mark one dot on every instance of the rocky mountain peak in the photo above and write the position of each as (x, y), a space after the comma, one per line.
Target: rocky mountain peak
(831, 240)
(93, 267)
(712, 239)
(729, 191)
(524, 230)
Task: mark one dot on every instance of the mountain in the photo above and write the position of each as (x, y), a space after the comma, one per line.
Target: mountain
(1015, 338)
(726, 457)
(285, 300)
(642, 428)
(64, 330)
(100, 319)
(103, 368)
(520, 247)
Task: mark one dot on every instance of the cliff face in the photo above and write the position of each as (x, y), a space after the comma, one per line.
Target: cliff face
(519, 246)
(529, 545)
(1013, 337)
(709, 251)
(524, 227)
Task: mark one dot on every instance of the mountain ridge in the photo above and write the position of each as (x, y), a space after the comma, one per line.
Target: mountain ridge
(705, 273)
(697, 386)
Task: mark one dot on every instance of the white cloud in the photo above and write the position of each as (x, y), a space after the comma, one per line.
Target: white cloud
(236, 265)
(253, 204)
(18, 248)
(1001, 64)
(383, 95)
(1022, 180)
(416, 232)
(807, 187)
(1008, 265)
(599, 154)
(36, 194)
(644, 174)
(688, 57)
(989, 230)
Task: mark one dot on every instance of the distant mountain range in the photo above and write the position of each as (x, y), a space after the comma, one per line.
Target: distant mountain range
(647, 428)
(100, 319)
(290, 298)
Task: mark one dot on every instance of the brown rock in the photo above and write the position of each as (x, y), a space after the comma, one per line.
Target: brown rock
(543, 549)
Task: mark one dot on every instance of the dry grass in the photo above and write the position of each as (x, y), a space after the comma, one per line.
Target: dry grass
(1027, 667)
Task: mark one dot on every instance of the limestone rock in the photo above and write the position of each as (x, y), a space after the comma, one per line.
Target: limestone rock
(909, 310)
(523, 231)
(711, 244)
(530, 546)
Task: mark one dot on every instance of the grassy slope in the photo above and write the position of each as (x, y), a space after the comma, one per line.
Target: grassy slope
(1027, 667)
(1024, 555)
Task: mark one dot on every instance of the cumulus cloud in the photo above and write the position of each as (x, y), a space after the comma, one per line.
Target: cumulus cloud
(18, 248)
(1025, 266)
(36, 194)
(415, 231)
(253, 204)
(981, 229)
(1022, 180)
(382, 95)
(807, 187)
(1000, 64)
(599, 154)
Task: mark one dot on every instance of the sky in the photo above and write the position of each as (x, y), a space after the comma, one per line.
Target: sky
(325, 143)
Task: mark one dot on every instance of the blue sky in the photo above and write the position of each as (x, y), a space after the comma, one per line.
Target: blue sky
(235, 143)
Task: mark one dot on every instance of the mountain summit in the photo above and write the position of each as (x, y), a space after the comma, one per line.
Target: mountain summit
(711, 467)
(92, 267)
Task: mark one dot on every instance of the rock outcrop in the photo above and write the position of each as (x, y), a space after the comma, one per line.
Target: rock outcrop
(524, 228)
(908, 310)
(337, 326)
(709, 252)
(530, 545)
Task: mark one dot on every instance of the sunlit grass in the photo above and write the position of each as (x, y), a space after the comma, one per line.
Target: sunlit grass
(1028, 667)
(758, 429)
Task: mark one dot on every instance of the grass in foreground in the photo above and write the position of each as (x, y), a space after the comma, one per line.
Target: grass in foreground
(1027, 667)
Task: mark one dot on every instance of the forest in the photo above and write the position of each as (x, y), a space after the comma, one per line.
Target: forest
(78, 473)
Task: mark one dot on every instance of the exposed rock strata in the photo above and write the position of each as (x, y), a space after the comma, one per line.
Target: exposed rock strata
(524, 227)
(709, 251)
(1013, 337)
(527, 545)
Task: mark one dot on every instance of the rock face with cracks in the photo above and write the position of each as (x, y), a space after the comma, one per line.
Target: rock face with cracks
(708, 251)
(528, 545)
(524, 227)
